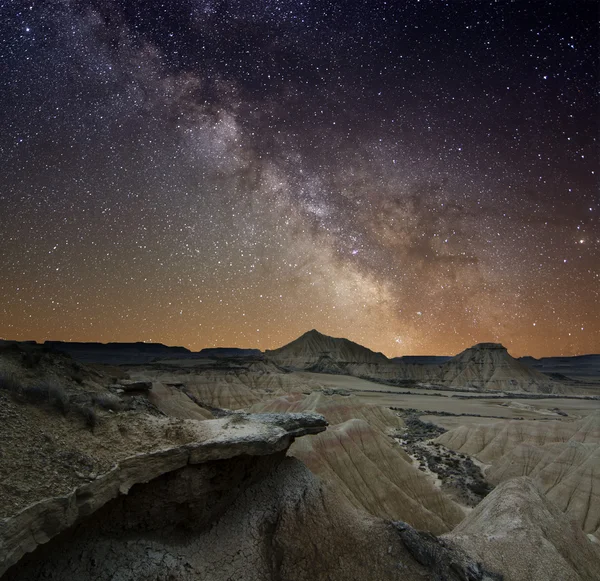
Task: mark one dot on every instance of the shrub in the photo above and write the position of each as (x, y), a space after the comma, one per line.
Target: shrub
(107, 401)
(39, 393)
(31, 358)
(88, 413)
(479, 487)
(9, 382)
(59, 399)
(77, 377)
(36, 393)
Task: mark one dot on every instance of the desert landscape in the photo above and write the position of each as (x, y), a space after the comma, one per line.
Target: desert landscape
(299, 290)
(317, 460)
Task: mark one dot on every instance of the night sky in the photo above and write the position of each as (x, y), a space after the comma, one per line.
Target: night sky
(416, 176)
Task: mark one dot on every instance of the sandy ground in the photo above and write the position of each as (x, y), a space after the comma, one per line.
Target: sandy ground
(357, 384)
(451, 422)
(185, 363)
(448, 401)
(575, 408)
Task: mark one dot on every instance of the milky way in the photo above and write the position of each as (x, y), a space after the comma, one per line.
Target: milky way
(415, 176)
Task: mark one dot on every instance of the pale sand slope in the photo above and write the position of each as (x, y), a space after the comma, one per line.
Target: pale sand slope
(173, 402)
(562, 457)
(336, 408)
(489, 366)
(233, 387)
(519, 532)
(356, 458)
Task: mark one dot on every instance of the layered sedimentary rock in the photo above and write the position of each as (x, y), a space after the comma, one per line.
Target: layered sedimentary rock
(336, 408)
(230, 385)
(488, 366)
(321, 353)
(518, 531)
(173, 401)
(489, 442)
(357, 458)
(562, 457)
(568, 473)
(193, 500)
(315, 349)
(375, 474)
(22, 531)
(483, 367)
(259, 520)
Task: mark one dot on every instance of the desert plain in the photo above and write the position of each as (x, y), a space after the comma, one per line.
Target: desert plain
(317, 460)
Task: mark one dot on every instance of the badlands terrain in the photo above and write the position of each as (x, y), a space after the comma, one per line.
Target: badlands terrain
(318, 460)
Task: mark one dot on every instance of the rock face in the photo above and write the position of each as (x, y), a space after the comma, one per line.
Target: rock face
(239, 435)
(357, 458)
(226, 505)
(265, 519)
(489, 367)
(563, 458)
(128, 386)
(444, 558)
(484, 367)
(518, 531)
(315, 350)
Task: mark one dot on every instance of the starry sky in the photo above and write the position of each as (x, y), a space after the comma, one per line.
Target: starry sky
(416, 176)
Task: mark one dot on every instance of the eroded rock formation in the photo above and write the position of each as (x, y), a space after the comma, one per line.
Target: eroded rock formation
(483, 367)
(222, 439)
(265, 520)
(359, 460)
(562, 458)
(518, 531)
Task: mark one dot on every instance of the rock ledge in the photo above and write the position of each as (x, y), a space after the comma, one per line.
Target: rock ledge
(236, 435)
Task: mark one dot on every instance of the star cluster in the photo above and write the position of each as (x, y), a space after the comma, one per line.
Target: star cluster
(416, 176)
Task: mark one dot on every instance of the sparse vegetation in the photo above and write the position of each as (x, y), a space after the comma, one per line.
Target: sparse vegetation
(89, 415)
(31, 358)
(107, 401)
(59, 399)
(53, 395)
(77, 376)
(456, 471)
(37, 393)
(10, 384)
